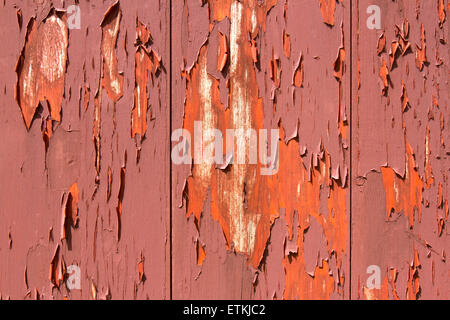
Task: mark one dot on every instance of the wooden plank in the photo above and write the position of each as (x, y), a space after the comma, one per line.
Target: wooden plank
(280, 65)
(81, 190)
(400, 151)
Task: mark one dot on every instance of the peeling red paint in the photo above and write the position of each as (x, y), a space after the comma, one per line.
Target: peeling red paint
(398, 155)
(246, 205)
(362, 175)
(146, 62)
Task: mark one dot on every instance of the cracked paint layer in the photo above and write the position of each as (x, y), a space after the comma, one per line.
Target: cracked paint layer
(89, 176)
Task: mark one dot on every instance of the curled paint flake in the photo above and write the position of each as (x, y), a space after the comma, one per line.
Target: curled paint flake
(142, 277)
(405, 45)
(57, 268)
(298, 73)
(223, 52)
(96, 134)
(93, 291)
(143, 35)
(70, 211)
(404, 98)
(254, 51)
(201, 253)
(86, 98)
(145, 62)
(441, 13)
(275, 71)
(393, 54)
(327, 8)
(109, 183)
(421, 52)
(384, 75)
(405, 28)
(413, 287)
(393, 273)
(338, 65)
(112, 79)
(120, 198)
(19, 17)
(286, 44)
(381, 46)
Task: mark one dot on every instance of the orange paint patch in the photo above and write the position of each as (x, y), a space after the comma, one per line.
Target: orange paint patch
(57, 268)
(404, 98)
(143, 35)
(393, 273)
(441, 12)
(377, 294)
(298, 73)
(73, 203)
(338, 65)
(141, 269)
(70, 211)
(236, 191)
(384, 75)
(395, 49)
(327, 8)
(87, 97)
(145, 62)
(112, 79)
(41, 67)
(381, 46)
(223, 52)
(297, 193)
(413, 288)
(300, 285)
(286, 44)
(403, 194)
(219, 9)
(421, 51)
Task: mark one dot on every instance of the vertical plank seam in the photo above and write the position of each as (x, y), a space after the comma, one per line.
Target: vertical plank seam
(351, 147)
(170, 159)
